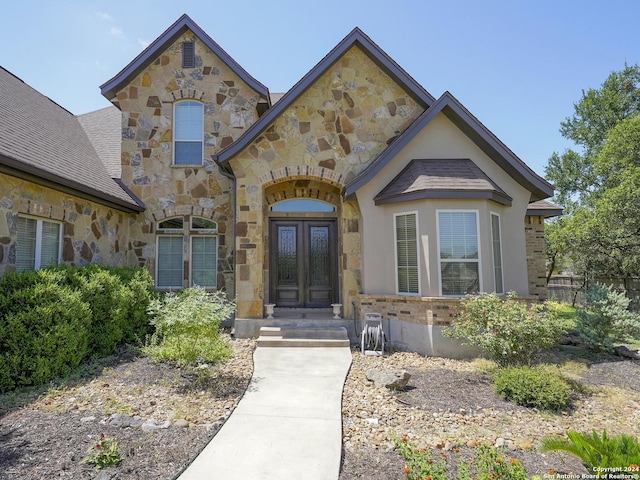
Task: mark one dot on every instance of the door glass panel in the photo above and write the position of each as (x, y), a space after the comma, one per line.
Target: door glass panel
(319, 256)
(287, 255)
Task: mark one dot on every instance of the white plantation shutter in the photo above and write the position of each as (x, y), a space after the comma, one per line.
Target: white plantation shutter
(26, 247)
(407, 253)
(459, 252)
(50, 244)
(169, 261)
(204, 261)
(497, 253)
(188, 133)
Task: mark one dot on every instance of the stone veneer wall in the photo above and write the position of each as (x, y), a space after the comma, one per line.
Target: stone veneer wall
(147, 142)
(422, 310)
(536, 258)
(328, 135)
(92, 233)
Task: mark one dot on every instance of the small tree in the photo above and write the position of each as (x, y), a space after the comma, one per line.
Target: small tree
(606, 318)
(187, 326)
(508, 331)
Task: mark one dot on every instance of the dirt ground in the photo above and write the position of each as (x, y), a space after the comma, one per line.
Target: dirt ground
(46, 433)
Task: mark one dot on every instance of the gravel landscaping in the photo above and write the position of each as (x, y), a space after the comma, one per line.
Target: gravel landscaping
(162, 418)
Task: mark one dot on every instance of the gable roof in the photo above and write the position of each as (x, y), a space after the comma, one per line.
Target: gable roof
(355, 38)
(446, 178)
(149, 54)
(42, 142)
(475, 131)
(104, 129)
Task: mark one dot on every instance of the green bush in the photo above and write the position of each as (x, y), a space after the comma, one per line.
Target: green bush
(540, 387)
(508, 331)
(187, 326)
(619, 452)
(606, 318)
(44, 329)
(52, 319)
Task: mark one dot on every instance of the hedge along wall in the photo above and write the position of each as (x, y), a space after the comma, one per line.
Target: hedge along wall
(53, 319)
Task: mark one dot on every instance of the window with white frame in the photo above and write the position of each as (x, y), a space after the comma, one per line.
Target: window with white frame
(203, 252)
(38, 243)
(459, 254)
(496, 243)
(188, 133)
(406, 240)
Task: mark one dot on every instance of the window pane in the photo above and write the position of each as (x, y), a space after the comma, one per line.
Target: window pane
(26, 247)
(172, 224)
(188, 121)
(188, 153)
(169, 262)
(302, 205)
(407, 253)
(50, 247)
(458, 235)
(497, 253)
(204, 261)
(459, 278)
(198, 223)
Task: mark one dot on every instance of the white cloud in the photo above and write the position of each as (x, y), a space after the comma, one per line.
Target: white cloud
(116, 32)
(105, 16)
(143, 43)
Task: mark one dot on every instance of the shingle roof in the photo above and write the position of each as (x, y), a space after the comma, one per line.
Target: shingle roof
(103, 127)
(441, 178)
(544, 208)
(42, 140)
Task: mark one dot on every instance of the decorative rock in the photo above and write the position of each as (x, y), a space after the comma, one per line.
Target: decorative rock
(449, 445)
(181, 423)
(105, 475)
(151, 425)
(397, 379)
(500, 442)
(123, 420)
(372, 421)
(87, 419)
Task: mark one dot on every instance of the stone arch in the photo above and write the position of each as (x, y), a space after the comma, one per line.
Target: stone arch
(302, 188)
(181, 210)
(305, 172)
(187, 94)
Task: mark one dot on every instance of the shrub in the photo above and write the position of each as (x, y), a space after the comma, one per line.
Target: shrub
(485, 463)
(540, 387)
(187, 326)
(619, 452)
(508, 331)
(606, 318)
(52, 319)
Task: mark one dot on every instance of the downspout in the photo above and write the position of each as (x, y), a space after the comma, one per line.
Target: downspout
(231, 176)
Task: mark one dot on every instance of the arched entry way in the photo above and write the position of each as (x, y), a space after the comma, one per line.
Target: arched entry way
(302, 244)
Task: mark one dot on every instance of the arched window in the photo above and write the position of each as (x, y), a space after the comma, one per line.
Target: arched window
(188, 133)
(303, 205)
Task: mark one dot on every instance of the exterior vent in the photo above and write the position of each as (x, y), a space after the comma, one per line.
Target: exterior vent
(188, 54)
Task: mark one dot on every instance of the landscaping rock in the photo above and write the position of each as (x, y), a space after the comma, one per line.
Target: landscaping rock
(396, 379)
(181, 423)
(123, 420)
(626, 352)
(151, 425)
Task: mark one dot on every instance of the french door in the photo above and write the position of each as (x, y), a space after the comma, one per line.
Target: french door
(303, 264)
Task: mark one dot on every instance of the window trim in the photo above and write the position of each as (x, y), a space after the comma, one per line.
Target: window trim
(175, 141)
(37, 253)
(191, 238)
(395, 253)
(158, 237)
(478, 260)
(491, 216)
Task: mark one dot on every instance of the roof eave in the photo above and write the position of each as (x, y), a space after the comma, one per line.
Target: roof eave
(109, 88)
(445, 194)
(33, 174)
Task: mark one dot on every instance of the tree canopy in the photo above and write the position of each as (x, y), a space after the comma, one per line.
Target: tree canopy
(599, 185)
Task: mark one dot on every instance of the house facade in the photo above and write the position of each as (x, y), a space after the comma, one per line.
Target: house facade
(356, 187)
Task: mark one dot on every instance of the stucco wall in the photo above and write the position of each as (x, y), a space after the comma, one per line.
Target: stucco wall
(147, 105)
(91, 233)
(441, 139)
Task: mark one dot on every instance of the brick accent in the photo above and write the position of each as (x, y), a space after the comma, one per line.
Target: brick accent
(536, 258)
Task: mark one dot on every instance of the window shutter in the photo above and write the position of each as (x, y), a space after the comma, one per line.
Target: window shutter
(169, 262)
(497, 253)
(26, 247)
(188, 54)
(407, 253)
(204, 261)
(50, 248)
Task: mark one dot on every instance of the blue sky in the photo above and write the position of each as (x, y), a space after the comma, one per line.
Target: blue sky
(518, 66)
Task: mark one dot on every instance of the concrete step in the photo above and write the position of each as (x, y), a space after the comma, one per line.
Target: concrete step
(303, 337)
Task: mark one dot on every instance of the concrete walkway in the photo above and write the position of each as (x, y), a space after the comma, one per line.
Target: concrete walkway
(288, 424)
